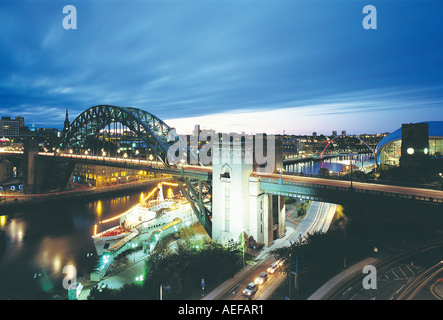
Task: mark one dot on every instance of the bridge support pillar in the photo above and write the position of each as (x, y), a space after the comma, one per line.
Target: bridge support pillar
(44, 174)
(267, 214)
(31, 178)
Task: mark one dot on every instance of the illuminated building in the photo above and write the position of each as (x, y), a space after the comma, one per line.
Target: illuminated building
(389, 150)
(96, 175)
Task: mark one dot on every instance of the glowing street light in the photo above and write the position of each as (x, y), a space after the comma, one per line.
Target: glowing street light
(139, 278)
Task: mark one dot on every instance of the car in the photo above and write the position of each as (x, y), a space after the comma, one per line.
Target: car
(273, 267)
(250, 289)
(262, 277)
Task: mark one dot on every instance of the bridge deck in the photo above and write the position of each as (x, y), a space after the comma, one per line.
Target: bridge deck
(320, 187)
(204, 173)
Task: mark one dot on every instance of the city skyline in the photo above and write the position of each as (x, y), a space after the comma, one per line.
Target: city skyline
(226, 65)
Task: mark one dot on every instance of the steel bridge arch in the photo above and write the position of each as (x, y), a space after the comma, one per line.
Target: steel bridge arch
(344, 135)
(154, 132)
(148, 127)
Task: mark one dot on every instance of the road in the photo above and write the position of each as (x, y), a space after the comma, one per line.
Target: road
(423, 286)
(398, 278)
(318, 218)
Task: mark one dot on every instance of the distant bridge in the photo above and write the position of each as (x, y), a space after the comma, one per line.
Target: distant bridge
(344, 135)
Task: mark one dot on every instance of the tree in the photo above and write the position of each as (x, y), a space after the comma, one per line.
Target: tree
(324, 172)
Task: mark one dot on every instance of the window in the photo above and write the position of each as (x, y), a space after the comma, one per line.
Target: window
(225, 175)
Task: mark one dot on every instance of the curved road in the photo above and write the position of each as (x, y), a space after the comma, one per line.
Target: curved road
(318, 218)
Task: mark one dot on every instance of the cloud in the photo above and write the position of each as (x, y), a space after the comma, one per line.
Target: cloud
(358, 113)
(232, 61)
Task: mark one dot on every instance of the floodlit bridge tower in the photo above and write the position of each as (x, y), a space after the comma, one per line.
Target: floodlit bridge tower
(238, 204)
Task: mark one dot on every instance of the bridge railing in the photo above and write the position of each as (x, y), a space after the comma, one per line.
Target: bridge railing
(357, 190)
(356, 179)
(128, 163)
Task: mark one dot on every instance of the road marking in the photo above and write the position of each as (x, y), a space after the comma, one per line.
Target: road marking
(396, 292)
(350, 288)
(410, 269)
(403, 273)
(233, 289)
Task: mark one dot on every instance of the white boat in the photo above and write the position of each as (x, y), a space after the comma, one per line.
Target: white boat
(142, 220)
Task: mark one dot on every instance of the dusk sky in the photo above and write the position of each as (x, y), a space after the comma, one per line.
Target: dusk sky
(228, 65)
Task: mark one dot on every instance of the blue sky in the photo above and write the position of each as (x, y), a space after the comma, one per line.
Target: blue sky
(228, 65)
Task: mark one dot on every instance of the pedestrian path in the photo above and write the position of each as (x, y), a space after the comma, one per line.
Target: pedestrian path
(127, 273)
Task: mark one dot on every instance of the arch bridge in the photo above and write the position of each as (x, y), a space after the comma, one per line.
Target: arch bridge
(134, 138)
(344, 135)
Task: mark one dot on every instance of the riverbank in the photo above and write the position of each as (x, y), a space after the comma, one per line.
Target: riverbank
(14, 202)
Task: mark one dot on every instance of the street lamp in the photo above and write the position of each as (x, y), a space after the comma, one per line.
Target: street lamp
(133, 246)
(350, 165)
(167, 288)
(243, 245)
(182, 161)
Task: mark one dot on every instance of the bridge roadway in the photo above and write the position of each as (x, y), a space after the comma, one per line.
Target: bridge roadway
(313, 188)
(191, 171)
(330, 190)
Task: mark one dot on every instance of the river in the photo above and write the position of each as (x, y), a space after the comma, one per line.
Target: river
(333, 164)
(41, 241)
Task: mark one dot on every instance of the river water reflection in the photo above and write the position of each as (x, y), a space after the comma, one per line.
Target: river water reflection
(41, 241)
(333, 164)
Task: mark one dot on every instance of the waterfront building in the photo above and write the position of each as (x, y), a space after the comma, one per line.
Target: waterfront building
(419, 142)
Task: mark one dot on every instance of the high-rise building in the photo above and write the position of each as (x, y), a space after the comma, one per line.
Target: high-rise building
(334, 133)
(10, 127)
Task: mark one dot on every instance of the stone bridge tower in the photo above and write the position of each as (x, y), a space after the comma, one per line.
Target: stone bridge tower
(238, 204)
